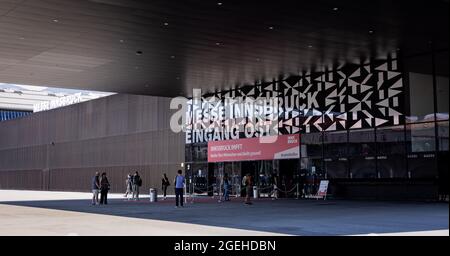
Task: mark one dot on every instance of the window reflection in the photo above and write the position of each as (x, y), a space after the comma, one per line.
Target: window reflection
(390, 140)
(362, 142)
(311, 145)
(443, 136)
(421, 103)
(335, 144)
(442, 85)
(420, 137)
(391, 152)
(362, 153)
(200, 152)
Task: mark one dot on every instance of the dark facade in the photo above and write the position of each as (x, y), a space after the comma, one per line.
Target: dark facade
(61, 149)
(377, 129)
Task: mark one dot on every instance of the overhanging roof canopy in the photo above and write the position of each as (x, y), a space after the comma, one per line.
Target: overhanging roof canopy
(27, 98)
(167, 47)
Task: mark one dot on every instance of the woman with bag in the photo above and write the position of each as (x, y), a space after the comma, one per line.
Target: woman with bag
(165, 184)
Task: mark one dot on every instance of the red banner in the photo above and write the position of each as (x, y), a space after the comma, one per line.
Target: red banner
(264, 148)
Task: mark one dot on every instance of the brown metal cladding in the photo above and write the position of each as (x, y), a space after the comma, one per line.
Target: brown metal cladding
(61, 149)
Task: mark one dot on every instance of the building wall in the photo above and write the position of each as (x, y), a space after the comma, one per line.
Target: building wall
(12, 114)
(61, 149)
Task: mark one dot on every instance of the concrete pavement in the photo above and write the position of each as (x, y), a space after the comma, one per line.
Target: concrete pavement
(67, 213)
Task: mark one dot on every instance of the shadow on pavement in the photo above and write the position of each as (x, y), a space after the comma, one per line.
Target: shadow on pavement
(286, 216)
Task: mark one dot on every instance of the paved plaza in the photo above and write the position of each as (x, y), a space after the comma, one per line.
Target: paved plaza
(70, 213)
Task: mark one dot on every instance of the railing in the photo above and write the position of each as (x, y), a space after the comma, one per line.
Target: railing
(235, 191)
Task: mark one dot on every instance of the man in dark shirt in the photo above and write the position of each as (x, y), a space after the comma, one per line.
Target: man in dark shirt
(137, 182)
(248, 187)
(179, 186)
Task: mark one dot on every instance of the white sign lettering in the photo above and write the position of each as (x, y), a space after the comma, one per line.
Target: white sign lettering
(61, 102)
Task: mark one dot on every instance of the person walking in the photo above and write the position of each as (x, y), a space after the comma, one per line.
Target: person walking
(226, 186)
(129, 186)
(275, 187)
(165, 183)
(248, 188)
(104, 188)
(179, 185)
(95, 188)
(137, 182)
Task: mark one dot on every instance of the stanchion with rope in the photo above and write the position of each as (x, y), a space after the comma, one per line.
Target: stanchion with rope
(265, 188)
(192, 197)
(286, 192)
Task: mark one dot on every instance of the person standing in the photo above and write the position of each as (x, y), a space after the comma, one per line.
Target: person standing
(226, 186)
(301, 183)
(243, 189)
(248, 188)
(95, 188)
(179, 185)
(275, 187)
(137, 182)
(129, 186)
(104, 188)
(165, 183)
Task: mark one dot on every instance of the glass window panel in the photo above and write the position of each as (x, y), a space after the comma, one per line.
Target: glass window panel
(311, 171)
(362, 142)
(335, 151)
(335, 144)
(362, 153)
(199, 152)
(311, 165)
(421, 104)
(391, 140)
(422, 166)
(311, 145)
(420, 137)
(188, 153)
(198, 175)
(443, 168)
(442, 85)
(391, 159)
(392, 166)
(337, 168)
(362, 167)
(443, 135)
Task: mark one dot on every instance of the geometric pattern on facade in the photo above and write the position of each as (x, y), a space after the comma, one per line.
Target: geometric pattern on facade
(350, 97)
(355, 96)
